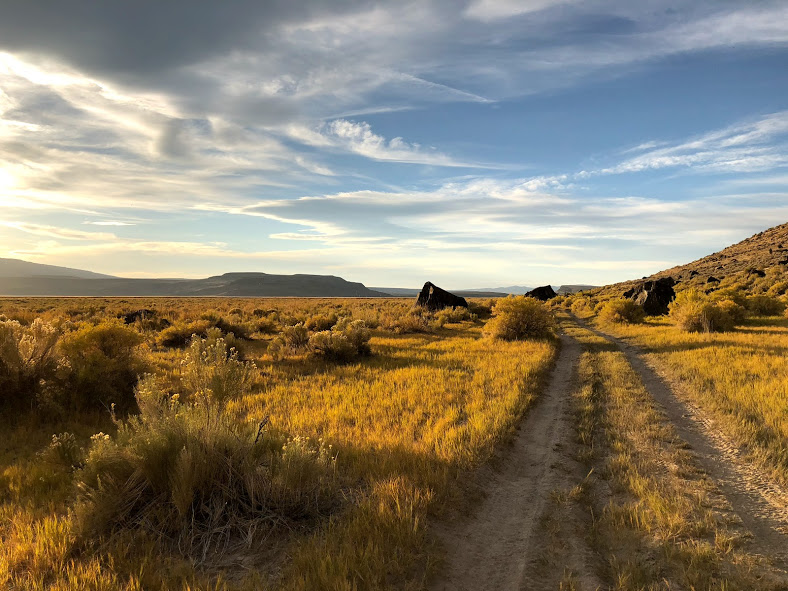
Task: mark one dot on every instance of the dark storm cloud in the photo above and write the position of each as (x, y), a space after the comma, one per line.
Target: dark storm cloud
(148, 36)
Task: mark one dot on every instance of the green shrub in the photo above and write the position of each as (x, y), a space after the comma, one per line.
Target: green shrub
(179, 334)
(736, 312)
(583, 306)
(415, 320)
(737, 296)
(195, 476)
(296, 337)
(28, 361)
(622, 311)
(693, 312)
(452, 315)
(763, 305)
(266, 326)
(347, 340)
(518, 318)
(482, 309)
(321, 322)
(103, 364)
(777, 289)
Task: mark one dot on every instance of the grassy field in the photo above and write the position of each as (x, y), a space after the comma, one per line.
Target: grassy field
(657, 521)
(386, 437)
(739, 377)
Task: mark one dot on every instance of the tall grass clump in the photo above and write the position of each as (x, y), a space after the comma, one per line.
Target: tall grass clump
(693, 312)
(622, 311)
(519, 317)
(196, 477)
(28, 359)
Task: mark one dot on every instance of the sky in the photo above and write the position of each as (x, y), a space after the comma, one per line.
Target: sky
(472, 143)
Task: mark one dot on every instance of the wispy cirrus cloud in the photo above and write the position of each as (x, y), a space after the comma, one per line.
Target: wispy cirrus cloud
(357, 137)
(752, 146)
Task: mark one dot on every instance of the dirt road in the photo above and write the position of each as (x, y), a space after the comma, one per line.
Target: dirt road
(492, 549)
(498, 546)
(761, 504)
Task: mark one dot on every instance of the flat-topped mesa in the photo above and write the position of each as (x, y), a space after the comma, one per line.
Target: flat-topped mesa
(655, 296)
(434, 298)
(543, 293)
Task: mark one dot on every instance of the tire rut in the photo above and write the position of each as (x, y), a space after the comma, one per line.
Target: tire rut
(760, 504)
(494, 547)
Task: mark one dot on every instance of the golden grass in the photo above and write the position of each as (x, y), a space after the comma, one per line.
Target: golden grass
(407, 423)
(658, 522)
(740, 378)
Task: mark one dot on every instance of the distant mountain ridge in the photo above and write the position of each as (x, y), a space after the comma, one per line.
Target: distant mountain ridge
(20, 278)
(20, 268)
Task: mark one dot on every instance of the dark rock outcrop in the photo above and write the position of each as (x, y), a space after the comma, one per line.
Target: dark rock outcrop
(434, 298)
(712, 279)
(543, 293)
(654, 296)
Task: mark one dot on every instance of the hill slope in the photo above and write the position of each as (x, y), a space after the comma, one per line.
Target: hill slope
(20, 268)
(761, 251)
(758, 264)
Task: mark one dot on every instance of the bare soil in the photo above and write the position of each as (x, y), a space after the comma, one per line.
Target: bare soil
(502, 545)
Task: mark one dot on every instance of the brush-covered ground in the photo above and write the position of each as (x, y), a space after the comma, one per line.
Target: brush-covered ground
(290, 444)
(311, 444)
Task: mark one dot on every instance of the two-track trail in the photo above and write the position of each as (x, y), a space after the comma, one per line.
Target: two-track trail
(501, 546)
(493, 548)
(760, 503)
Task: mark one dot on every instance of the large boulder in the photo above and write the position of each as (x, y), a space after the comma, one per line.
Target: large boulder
(543, 293)
(434, 298)
(654, 296)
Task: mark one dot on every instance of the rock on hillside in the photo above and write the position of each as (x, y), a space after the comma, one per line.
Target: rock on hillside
(758, 264)
(764, 249)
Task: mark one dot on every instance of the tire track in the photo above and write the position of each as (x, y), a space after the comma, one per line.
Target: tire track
(492, 549)
(760, 504)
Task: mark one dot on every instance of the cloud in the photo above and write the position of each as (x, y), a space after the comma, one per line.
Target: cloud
(109, 223)
(492, 10)
(274, 110)
(752, 146)
(358, 138)
(55, 232)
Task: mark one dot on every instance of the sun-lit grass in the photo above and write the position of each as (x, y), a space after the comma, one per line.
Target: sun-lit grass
(406, 423)
(739, 377)
(658, 523)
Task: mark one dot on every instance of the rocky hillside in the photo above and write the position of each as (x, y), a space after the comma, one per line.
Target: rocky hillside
(758, 264)
(759, 252)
